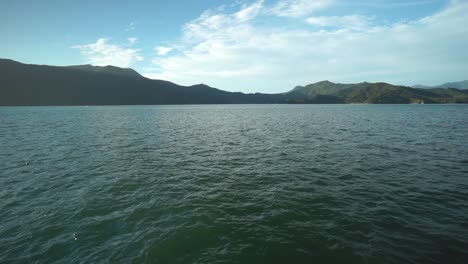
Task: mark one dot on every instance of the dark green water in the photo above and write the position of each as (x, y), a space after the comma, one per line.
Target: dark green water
(234, 184)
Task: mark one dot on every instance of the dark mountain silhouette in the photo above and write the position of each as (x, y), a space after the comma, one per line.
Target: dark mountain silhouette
(26, 84)
(112, 70)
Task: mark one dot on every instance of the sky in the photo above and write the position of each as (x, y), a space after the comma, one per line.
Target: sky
(246, 45)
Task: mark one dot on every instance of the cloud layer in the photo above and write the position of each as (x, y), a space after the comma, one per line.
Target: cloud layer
(274, 47)
(299, 8)
(103, 53)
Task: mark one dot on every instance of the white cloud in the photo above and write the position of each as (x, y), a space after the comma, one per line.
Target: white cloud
(354, 22)
(299, 8)
(391, 3)
(161, 51)
(132, 40)
(212, 22)
(249, 12)
(230, 51)
(103, 53)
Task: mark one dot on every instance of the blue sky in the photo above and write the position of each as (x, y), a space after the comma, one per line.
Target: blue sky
(249, 46)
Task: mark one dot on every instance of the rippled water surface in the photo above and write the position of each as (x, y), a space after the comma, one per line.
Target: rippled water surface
(234, 184)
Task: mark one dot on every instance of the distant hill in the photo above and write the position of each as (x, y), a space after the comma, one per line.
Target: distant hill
(27, 84)
(463, 85)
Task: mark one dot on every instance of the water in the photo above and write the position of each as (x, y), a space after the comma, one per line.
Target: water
(234, 184)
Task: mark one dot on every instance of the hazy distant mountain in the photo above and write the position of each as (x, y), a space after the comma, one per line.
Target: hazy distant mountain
(463, 85)
(26, 84)
(457, 85)
(421, 86)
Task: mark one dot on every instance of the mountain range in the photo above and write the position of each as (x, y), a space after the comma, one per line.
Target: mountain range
(463, 85)
(28, 84)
